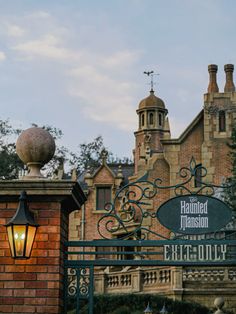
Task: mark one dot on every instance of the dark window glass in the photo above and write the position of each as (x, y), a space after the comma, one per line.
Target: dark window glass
(142, 120)
(222, 125)
(151, 118)
(160, 118)
(130, 251)
(198, 176)
(103, 197)
(100, 250)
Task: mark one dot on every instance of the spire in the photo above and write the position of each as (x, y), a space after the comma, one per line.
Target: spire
(166, 128)
(104, 156)
(88, 173)
(229, 84)
(148, 310)
(212, 87)
(120, 173)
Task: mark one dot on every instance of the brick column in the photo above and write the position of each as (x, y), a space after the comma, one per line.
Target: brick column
(36, 285)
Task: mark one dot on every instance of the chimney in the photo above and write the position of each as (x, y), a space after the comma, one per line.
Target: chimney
(212, 87)
(229, 84)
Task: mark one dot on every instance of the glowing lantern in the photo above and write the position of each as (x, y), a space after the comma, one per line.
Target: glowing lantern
(21, 230)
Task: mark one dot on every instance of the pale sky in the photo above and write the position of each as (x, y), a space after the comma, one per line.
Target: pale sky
(78, 65)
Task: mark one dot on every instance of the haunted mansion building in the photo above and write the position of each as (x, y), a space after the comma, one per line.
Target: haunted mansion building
(157, 155)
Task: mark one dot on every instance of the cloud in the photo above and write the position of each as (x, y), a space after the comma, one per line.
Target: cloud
(15, 30)
(48, 47)
(97, 79)
(39, 15)
(122, 58)
(2, 56)
(103, 98)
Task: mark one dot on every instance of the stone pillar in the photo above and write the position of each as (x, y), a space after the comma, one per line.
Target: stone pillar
(99, 282)
(177, 282)
(137, 280)
(36, 285)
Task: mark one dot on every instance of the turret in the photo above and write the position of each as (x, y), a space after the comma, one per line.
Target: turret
(152, 127)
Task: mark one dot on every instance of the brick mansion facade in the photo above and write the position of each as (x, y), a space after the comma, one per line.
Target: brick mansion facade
(158, 155)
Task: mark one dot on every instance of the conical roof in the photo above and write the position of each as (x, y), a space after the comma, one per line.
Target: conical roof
(152, 101)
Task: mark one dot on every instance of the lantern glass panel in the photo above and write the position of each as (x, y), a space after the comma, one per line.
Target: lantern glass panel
(30, 240)
(19, 234)
(10, 239)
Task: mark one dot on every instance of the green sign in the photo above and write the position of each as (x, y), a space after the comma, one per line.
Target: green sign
(194, 214)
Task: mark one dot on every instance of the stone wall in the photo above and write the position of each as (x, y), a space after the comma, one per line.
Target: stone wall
(192, 284)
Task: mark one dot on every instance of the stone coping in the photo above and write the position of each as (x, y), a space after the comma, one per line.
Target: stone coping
(67, 192)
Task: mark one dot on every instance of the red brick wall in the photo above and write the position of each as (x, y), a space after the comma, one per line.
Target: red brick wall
(154, 143)
(191, 146)
(34, 285)
(161, 170)
(103, 177)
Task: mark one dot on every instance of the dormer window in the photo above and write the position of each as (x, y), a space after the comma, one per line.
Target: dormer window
(103, 197)
(222, 122)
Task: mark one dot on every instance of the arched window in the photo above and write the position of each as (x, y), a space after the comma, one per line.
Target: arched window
(160, 119)
(142, 119)
(222, 124)
(151, 118)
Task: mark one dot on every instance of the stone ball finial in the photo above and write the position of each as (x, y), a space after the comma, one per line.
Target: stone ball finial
(219, 303)
(35, 147)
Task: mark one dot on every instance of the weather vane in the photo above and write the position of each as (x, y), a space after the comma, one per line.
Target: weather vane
(151, 74)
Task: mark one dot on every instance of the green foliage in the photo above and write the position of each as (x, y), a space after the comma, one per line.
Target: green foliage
(232, 146)
(62, 154)
(89, 155)
(136, 304)
(124, 309)
(230, 194)
(10, 164)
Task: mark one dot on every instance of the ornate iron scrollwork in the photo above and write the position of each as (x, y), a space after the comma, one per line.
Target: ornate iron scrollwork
(78, 282)
(72, 282)
(134, 202)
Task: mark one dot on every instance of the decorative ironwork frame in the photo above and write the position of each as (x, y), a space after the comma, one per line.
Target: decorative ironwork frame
(127, 219)
(78, 286)
(125, 215)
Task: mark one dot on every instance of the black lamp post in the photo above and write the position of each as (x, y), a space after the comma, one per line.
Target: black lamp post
(21, 230)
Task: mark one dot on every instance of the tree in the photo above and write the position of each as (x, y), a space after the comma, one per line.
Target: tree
(230, 191)
(62, 154)
(89, 155)
(10, 163)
